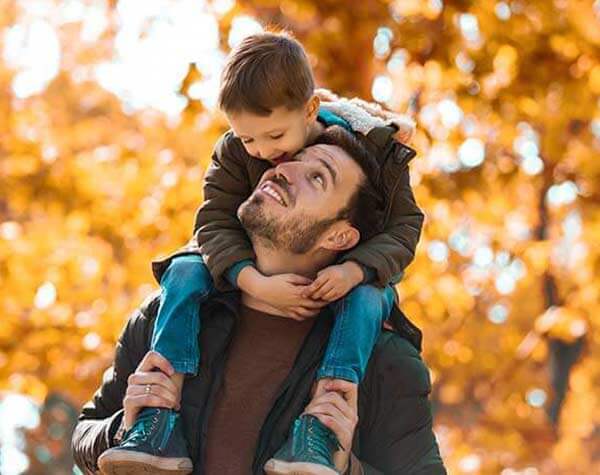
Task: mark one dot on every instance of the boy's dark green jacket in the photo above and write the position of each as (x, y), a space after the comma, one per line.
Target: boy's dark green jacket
(394, 435)
(233, 174)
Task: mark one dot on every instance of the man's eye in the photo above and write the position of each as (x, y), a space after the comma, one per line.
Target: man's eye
(276, 137)
(319, 179)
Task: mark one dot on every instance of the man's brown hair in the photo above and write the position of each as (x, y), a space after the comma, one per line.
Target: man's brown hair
(266, 71)
(365, 209)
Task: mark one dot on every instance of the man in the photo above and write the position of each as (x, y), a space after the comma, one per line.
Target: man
(257, 368)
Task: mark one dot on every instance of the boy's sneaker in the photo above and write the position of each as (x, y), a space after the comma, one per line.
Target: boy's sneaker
(308, 450)
(154, 445)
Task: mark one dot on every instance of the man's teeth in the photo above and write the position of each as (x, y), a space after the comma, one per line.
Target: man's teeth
(273, 193)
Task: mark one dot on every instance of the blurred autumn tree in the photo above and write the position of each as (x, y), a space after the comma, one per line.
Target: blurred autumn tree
(506, 281)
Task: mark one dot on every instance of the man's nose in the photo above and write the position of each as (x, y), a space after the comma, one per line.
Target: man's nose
(287, 171)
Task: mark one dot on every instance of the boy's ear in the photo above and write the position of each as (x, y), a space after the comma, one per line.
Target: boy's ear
(341, 237)
(312, 108)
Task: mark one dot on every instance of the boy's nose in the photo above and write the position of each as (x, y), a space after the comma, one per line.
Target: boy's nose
(263, 152)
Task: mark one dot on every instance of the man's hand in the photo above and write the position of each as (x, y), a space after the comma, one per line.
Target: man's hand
(162, 391)
(334, 282)
(282, 291)
(338, 410)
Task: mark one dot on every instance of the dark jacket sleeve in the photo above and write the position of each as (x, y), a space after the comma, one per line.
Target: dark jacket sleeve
(221, 237)
(100, 417)
(391, 251)
(396, 431)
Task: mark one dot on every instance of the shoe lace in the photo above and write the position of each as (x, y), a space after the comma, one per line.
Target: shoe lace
(144, 427)
(321, 441)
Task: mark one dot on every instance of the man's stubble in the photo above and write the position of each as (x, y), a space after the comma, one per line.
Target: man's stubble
(297, 235)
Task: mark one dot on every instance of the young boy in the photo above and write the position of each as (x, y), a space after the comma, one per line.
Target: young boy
(267, 93)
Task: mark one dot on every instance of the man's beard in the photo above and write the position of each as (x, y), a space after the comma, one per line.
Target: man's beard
(297, 235)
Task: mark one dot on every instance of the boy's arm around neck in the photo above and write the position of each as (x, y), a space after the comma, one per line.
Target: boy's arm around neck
(391, 251)
(219, 233)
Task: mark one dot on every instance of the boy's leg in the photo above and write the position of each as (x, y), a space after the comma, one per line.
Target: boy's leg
(358, 322)
(185, 285)
(155, 444)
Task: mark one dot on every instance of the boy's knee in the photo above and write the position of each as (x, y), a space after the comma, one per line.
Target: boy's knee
(368, 294)
(188, 269)
(378, 299)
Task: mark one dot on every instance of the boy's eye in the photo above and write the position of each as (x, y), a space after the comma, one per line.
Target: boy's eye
(245, 141)
(275, 137)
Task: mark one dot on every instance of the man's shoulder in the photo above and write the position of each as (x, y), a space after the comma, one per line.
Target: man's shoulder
(141, 320)
(396, 362)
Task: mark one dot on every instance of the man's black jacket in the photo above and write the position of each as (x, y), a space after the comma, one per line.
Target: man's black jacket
(394, 433)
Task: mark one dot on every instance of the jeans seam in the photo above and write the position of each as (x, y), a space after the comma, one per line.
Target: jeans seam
(333, 346)
(188, 366)
(338, 372)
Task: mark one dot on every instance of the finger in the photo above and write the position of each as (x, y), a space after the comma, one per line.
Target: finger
(340, 385)
(296, 316)
(332, 295)
(146, 400)
(310, 303)
(336, 400)
(315, 286)
(305, 312)
(155, 390)
(388, 326)
(152, 360)
(328, 287)
(348, 390)
(152, 377)
(327, 409)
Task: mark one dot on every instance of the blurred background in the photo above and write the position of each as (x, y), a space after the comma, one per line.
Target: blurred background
(107, 121)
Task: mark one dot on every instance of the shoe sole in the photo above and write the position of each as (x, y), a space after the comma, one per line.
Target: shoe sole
(279, 467)
(124, 462)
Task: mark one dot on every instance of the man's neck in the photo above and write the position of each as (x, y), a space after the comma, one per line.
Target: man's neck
(271, 261)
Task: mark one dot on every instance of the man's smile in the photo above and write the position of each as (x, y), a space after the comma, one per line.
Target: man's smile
(274, 191)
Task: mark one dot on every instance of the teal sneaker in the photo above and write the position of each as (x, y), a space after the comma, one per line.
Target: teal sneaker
(308, 450)
(154, 445)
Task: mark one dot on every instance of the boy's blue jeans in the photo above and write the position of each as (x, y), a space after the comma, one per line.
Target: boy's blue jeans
(186, 284)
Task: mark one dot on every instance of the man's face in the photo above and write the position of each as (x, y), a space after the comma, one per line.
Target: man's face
(297, 201)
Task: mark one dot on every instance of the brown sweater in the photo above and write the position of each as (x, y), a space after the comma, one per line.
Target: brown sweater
(260, 357)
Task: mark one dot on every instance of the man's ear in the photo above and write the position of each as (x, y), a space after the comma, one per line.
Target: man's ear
(312, 108)
(341, 237)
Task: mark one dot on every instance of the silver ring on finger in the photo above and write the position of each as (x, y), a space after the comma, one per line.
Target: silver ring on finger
(148, 389)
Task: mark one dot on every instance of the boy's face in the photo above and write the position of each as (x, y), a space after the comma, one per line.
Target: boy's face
(282, 133)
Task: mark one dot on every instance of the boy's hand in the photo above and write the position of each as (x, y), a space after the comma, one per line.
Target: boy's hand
(333, 282)
(285, 292)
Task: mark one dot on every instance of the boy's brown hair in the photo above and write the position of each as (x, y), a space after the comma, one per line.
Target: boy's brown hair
(265, 71)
